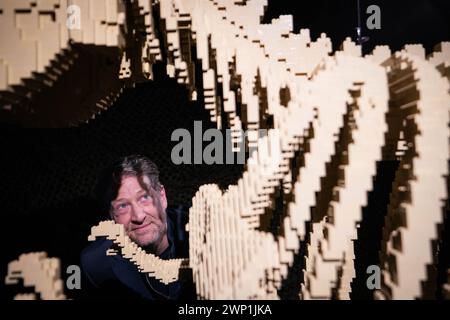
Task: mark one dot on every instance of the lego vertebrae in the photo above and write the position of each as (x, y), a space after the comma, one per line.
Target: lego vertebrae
(38, 271)
(166, 271)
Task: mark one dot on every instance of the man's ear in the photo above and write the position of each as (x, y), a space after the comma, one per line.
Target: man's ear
(162, 194)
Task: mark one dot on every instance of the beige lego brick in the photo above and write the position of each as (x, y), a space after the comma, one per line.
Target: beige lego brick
(125, 67)
(35, 34)
(380, 54)
(38, 271)
(318, 276)
(25, 296)
(350, 48)
(441, 54)
(3, 75)
(166, 271)
(415, 49)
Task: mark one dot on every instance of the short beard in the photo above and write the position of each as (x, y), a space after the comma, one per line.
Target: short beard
(151, 244)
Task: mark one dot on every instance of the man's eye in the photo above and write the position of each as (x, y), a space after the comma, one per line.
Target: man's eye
(146, 198)
(121, 206)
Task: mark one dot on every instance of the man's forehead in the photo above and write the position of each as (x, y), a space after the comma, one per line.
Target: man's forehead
(131, 185)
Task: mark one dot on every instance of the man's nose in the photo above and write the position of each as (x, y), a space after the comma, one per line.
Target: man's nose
(138, 214)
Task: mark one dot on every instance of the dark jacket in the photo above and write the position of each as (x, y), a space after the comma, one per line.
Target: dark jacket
(114, 277)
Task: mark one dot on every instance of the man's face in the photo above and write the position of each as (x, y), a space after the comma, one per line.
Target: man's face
(142, 213)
